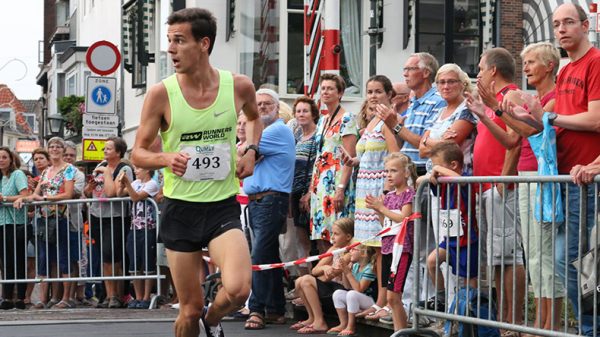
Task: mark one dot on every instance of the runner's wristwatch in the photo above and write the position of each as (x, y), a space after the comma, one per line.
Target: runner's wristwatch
(255, 148)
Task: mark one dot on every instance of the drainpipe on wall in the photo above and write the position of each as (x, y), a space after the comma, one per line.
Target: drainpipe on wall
(498, 14)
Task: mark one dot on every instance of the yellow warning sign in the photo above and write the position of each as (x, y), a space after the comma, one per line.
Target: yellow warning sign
(93, 149)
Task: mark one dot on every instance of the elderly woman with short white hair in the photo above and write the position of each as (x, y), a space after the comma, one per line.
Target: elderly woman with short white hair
(455, 122)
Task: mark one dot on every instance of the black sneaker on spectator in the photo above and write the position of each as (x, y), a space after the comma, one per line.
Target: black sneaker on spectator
(6, 305)
(433, 304)
(19, 304)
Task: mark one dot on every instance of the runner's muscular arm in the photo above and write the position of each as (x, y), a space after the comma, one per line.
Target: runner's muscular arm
(245, 100)
(153, 115)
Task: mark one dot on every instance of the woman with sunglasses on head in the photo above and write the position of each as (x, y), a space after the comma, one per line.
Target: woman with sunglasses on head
(332, 188)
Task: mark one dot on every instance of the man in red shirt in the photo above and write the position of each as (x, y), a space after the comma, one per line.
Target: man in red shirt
(577, 122)
(496, 153)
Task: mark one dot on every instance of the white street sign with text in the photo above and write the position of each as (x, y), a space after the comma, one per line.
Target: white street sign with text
(99, 120)
(98, 133)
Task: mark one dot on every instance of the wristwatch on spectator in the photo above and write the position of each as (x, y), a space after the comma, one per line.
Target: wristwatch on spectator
(397, 128)
(253, 147)
(498, 112)
(341, 186)
(552, 117)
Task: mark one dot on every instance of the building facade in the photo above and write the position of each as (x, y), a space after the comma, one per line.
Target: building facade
(265, 40)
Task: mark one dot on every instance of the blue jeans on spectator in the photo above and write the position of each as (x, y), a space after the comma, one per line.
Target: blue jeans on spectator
(570, 237)
(267, 216)
(47, 251)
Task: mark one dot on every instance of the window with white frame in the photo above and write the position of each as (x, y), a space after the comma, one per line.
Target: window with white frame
(165, 67)
(7, 118)
(31, 120)
(266, 47)
(259, 28)
(351, 65)
(71, 84)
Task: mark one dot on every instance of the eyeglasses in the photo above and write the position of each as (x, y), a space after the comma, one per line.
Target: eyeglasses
(410, 68)
(69, 155)
(449, 82)
(265, 104)
(566, 23)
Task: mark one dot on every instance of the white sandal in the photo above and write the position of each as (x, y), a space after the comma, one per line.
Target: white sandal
(379, 314)
(367, 312)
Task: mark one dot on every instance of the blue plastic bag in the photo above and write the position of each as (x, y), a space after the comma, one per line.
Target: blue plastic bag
(543, 145)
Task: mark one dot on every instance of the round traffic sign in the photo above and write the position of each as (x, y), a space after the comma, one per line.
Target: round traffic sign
(103, 58)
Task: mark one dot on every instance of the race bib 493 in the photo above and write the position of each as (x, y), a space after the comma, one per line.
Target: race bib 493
(207, 162)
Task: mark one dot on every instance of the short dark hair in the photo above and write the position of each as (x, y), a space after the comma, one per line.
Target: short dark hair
(42, 151)
(203, 22)
(449, 152)
(15, 161)
(502, 60)
(314, 110)
(120, 145)
(340, 84)
(385, 82)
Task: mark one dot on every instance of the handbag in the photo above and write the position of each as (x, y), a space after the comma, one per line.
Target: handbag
(45, 229)
(589, 279)
(304, 216)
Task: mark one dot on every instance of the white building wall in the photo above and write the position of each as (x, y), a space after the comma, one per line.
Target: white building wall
(391, 56)
(99, 22)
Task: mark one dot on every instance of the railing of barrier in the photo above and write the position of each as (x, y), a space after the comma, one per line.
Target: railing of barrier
(79, 240)
(505, 260)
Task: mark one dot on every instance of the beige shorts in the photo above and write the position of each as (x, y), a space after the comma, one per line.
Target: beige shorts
(501, 228)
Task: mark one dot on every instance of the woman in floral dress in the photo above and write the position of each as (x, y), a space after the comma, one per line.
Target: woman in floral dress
(332, 188)
(56, 183)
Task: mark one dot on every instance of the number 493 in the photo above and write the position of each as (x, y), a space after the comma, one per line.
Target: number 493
(207, 162)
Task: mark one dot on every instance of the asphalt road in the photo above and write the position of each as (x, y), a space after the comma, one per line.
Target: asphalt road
(129, 329)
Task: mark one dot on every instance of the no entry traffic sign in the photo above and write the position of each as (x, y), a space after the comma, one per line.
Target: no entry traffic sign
(103, 58)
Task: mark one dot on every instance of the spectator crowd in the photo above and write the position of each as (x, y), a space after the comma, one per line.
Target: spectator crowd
(324, 181)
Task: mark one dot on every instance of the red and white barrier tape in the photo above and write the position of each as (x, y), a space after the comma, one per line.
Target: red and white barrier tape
(313, 258)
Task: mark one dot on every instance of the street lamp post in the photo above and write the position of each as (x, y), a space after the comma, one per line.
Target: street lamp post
(55, 125)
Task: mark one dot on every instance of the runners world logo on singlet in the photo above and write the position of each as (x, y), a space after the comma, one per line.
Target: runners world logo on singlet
(206, 135)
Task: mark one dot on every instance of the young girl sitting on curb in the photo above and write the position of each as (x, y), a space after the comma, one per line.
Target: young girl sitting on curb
(318, 288)
(358, 276)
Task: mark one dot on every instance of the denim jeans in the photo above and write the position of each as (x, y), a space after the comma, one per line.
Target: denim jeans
(570, 235)
(267, 216)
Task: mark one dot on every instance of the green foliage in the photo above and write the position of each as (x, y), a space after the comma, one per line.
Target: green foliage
(72, 109)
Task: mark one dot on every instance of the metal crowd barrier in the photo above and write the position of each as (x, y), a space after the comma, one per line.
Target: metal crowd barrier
(66, 245)
(482, 296)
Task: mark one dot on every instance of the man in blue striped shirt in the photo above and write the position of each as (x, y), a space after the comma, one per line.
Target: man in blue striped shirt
(419, 73)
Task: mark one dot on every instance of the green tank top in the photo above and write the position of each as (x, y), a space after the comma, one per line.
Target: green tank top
(208, 136)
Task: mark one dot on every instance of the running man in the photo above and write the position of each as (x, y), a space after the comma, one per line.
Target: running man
(196, 112)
